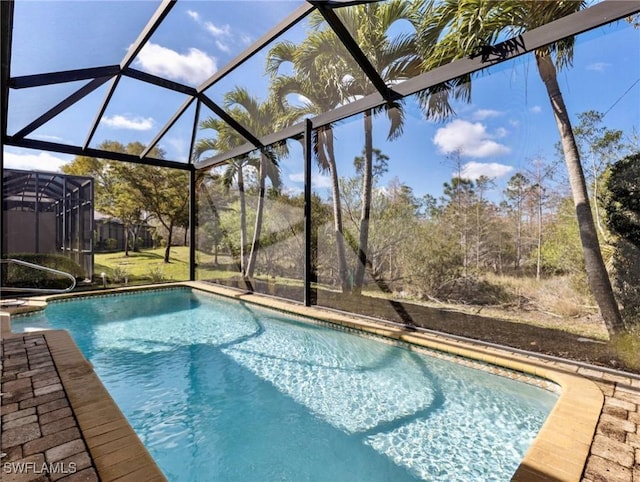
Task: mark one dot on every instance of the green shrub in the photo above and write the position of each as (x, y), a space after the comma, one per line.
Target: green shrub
(621, 201)
(119, 274)
(19, 276)
(156, 274)
(627, 347)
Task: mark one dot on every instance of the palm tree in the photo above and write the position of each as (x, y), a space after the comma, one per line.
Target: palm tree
(321, 95)
(394, 58)
(462, 28)
(227, 139)
(203, 181)
(258, 118)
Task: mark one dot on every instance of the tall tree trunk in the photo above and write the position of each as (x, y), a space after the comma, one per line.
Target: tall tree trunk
(126, 240)
(367, 182)
(478, 233)
(518, 239)
(500, 252)
(255, 245)
(243, 222)
(337, 210)
(596, 271)
(167, 250)
(134, 238)
(465, 242)
(539, 247)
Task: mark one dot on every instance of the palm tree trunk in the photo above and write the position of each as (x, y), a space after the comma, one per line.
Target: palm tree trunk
(595, 197)
(255, 245)
(216, 217)
(367, 181)
(243, 221)
(337, 211)
(596, 271)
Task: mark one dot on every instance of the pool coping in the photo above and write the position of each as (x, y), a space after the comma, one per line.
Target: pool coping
(558, 453)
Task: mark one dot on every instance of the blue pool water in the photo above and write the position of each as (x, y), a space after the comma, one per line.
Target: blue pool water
(221, 390)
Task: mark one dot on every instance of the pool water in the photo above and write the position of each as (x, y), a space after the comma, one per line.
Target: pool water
(220, 390)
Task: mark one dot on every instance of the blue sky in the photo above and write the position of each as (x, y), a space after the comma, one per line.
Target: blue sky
(507, 124)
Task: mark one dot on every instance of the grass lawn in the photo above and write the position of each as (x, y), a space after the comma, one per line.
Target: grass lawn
(147, 265)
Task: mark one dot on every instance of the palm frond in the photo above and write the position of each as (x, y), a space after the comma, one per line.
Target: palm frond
(204, 145)
(240, 97)
(319, 143)
(279, 54)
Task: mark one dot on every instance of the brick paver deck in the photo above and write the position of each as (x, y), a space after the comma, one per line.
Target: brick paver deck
(56, 411)
(615, 451)
(40, 435)
(58, 423)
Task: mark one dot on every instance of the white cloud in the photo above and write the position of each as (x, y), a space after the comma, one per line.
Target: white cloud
(43, 161)
(122, 122)
(317, 180)
(473, 170)
(482, 114)
(514, 123)
(297, 177)
(292, 190)
(536, 109)
(501, 132)
(598, 66)
(216, 31)
(222, 46)
(194, 67)
(220, 32)
(320, 182)
(470, 139)
(194, 15)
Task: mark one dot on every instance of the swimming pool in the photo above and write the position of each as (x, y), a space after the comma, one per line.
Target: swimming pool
(221, 390)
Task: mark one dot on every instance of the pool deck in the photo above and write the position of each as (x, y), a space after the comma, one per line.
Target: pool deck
(58, 421)
(57, 417)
